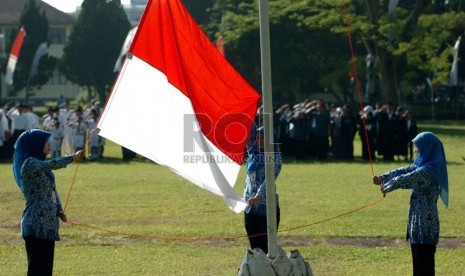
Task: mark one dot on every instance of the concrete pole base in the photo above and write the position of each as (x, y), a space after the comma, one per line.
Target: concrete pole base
(257, 263)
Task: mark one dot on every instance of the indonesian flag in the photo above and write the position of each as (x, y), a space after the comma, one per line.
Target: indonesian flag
(14, 54)
(178, 102)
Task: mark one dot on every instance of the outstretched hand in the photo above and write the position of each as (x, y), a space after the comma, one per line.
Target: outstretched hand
(377, 180)
(78, 155)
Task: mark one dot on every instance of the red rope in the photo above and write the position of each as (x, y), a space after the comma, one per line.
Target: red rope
(197, 239)
(359, 90)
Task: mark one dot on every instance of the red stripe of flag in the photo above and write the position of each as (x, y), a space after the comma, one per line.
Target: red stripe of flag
(225, 104)
(18, 43)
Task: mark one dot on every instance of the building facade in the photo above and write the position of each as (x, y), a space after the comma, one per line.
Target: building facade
(60, 27)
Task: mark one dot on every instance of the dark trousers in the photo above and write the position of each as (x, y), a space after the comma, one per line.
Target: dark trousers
(39, 256)
(423, 259)
(256, 227)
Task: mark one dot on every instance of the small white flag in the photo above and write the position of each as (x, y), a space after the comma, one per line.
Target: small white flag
(454, 72)
(41, 51)
(125, 49)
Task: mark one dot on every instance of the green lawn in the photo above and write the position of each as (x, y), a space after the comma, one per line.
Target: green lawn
(169, 213)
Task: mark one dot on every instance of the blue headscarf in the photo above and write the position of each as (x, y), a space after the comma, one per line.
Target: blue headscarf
(431, 158)
(29, 144)
(256, 156)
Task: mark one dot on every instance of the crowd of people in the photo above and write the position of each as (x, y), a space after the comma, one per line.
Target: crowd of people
(307, 130)
(316, 129)
(70, 128)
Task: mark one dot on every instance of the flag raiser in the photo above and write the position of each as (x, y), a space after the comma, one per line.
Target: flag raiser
(14, 54)
(190, 103)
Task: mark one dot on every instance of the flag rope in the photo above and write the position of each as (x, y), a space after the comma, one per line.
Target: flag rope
(357, 82)
(198, 239)
(87, 142)
(151, 237)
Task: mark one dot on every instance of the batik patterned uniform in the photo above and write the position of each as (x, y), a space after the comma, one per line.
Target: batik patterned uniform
(40, 216)
(423, 219)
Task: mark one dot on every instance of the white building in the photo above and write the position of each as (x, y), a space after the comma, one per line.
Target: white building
(60, 27)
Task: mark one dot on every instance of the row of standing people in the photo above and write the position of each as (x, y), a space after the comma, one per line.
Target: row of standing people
(14, 120)
(70, 128)
(316, 129)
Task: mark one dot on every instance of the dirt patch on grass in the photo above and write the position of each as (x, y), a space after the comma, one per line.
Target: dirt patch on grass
(370, 242)
(284, 241)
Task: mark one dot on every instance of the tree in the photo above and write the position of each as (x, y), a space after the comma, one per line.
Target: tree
(304, 58)
(310, 52)
(407, 45)
(93, 47)
(36, 25)
(199, 9)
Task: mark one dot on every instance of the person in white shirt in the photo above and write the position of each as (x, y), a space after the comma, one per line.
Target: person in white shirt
(33, 119)
(94, 139)
(19, 120)
(64, 116)
(56, 139)
(49, 118)
(79, 128)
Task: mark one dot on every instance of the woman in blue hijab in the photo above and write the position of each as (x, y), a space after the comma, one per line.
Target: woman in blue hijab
(427, 178)
(255, 190)
(34, 177)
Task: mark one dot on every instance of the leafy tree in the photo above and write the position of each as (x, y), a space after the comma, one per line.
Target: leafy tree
(199, 9)
(407, 45)
(93, 47)
(310, 50)
(304, 58)
(36, 26)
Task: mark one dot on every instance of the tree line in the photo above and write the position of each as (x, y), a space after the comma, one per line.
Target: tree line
(398, 44)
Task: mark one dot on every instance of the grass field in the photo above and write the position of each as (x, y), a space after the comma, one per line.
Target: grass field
(183, 228)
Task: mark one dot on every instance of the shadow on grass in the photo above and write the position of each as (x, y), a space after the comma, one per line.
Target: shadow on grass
(330, 160)
(444, 130)
(357, 160)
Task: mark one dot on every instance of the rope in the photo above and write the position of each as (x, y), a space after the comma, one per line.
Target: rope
(352, 52)
(94, 130)
(198, 239)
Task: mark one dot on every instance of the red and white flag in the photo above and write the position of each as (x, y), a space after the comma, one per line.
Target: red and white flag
(14, 54)
(178, 102)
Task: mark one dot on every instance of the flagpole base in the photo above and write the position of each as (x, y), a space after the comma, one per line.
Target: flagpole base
(257, 263)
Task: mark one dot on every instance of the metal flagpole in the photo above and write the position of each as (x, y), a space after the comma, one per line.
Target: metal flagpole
(268, 128)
